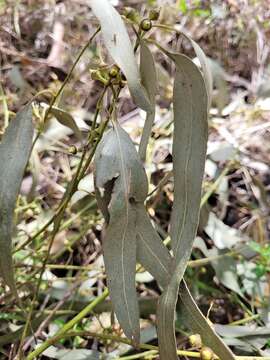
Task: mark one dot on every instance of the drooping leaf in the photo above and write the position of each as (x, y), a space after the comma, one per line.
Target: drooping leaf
(117, 42)
(149, 81)
(199, 325)
(156, 259)
(206, 70)
(121, 183)
(67, 120)
(151, 252)
(14, 153)
(189, 151)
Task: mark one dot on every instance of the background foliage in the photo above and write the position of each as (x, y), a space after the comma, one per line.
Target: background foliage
(229, 269)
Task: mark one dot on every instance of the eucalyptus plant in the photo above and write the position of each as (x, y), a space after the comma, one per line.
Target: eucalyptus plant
(121, 184)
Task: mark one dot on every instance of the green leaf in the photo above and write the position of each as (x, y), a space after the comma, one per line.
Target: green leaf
(199, 325)
(189, 151)
(15, 149)
(118, 44)
(67, 120)
(206, 69)
(183, 6)
(151, 252)
(149, 81)
(121, 183)
(155, 258)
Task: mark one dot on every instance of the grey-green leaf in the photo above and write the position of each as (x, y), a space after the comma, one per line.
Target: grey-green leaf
(199, 325)
(118, 44)
(67, 120)
(155, 258)
(15, 149)
(205, 69)
(189, 151)
(151, 252)
(121, 183)
(149, 81)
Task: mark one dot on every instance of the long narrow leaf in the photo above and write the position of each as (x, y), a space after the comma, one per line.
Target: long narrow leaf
(199, 325)
(156, 259)
(67, 120)
(189, 150)
(14, 153)
(151, 250)
(121, 183)
(206, 70)
(117, 42)
(149, 81)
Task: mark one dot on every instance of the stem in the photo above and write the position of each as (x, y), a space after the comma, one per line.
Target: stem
(57, 218)
(69, 325)
(61, 334)
(143, 355)
(5, 106)
(67, 196)
(70, 72)
(216, 184)
(205, 261)
(245, 320)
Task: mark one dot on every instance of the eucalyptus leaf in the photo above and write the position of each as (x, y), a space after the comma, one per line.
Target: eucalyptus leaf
(205, 65)
(15, 149)
(199, 325)
(121, 189)
(67, 120)
(157, 260)
(118, 44)
(120, 176)
(149, 81)
(189, 151)
(204, 61)
(240, 331)
(151, 252)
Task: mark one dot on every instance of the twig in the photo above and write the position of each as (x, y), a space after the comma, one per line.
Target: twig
(69, 325)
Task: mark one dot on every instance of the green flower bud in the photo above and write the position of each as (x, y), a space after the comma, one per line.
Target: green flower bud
(195, 341)
(114, 71)
(154, 14)
(206, 353)
(99, 76)
(73, 150)
(146, 24)
(130, 14)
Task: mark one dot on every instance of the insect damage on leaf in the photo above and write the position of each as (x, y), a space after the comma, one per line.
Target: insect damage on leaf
(120, 183)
